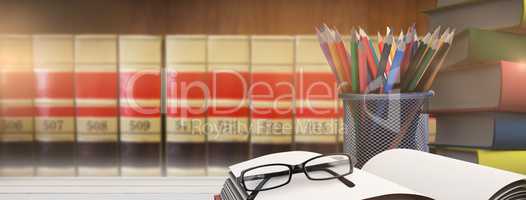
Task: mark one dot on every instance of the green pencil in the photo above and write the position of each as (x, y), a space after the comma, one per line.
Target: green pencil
(434, 67)
(355, 80)
(422, 67)
(411, 69)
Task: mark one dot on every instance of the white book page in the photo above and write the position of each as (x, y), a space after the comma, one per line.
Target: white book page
(439, 177)
(366, 185)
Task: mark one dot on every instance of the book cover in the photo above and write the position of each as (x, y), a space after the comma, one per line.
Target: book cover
(187, 90)
(475, 46)
(271, 94)
(432, 129)
(484, 14)
(54, 103)
(316, 100)
(509, 160)
(444, 3)
(482, 130)
(228, 113)
(96, 105)
(493, 87)
(140, 104)
(16, 105)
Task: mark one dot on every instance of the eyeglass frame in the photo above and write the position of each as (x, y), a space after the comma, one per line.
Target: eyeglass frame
(294, 169)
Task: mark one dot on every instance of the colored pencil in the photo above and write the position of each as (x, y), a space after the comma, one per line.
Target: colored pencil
(343, 57)
(411, 70)
(362, 59)
(325, 49)
(355, 76)
(378, 66)
(395, 68)
(422, 67)
(436, 63)
(370, 59)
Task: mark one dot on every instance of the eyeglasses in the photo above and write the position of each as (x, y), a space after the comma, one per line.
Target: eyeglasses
(272, 176)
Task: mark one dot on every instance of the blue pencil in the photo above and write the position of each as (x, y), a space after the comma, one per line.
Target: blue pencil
(395, 67)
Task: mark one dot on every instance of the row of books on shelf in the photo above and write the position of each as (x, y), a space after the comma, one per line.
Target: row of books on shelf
(100, 101)
(480, 109)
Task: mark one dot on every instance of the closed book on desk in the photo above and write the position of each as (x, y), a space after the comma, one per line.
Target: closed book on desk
(509, 160)
(16, 105)
(228, 64)
(483, 14)
(96, 105)
(271, 94)
(474, 46)
(482, 130)
(495, 87)
(55, 111)
(316, 101)
(186, 91)
(140, 103)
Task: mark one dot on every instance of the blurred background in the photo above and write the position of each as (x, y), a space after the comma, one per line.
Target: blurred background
(66, 65)
(208, 16)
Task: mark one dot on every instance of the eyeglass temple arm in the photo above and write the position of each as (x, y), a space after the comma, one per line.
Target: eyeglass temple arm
(342, 179)
(256, 191)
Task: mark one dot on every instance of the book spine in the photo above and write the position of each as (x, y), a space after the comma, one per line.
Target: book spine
(491, 46)
(186, 92)
(316, 125)
(271, 94)
(432, 129)
(140, 103)
(54, 104)
(228, 113)
(316, 107)
(513, 79)
(16, 106)
(96, 105)
(508, 133)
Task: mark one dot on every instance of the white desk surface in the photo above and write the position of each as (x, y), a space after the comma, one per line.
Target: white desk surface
(122, 188)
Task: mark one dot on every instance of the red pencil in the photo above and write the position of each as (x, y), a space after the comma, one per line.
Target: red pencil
(344, 60)
(362, 69)
(370, 60)
(380, 42)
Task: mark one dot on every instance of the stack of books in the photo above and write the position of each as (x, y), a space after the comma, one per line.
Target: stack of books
(479, 103)
(393, 174)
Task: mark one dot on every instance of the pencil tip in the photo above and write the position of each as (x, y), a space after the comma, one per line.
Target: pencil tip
(437, 30)
(362, 33)
(389, 38)
(357, 35)
(426, 38)
(451, 36)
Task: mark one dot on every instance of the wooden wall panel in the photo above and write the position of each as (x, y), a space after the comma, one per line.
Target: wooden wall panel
(207, 16)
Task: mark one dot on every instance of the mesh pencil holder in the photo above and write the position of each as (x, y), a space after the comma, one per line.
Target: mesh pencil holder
(374, 123)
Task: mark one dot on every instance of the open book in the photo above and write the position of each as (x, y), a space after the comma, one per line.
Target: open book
(394, 174)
